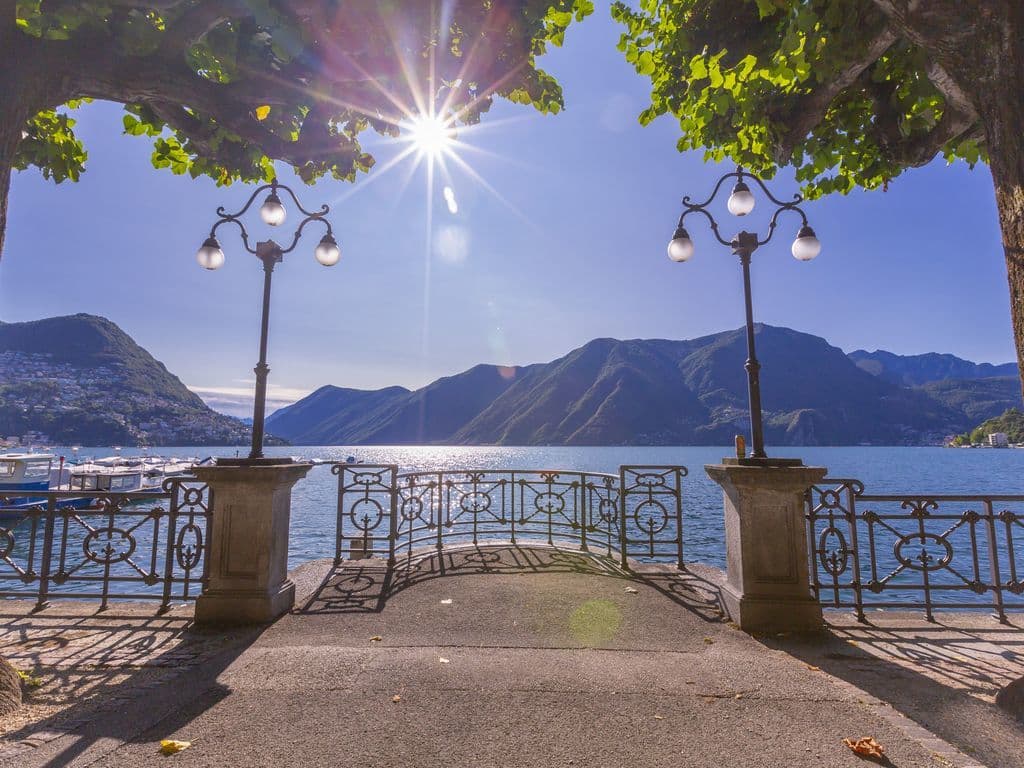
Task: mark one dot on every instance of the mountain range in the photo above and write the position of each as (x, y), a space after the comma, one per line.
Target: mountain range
(662, 392)
(81, 379)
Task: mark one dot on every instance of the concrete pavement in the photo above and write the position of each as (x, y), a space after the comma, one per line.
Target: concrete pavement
(508, 657)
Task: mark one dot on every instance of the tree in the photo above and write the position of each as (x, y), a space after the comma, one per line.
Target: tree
(225, 87)
(849, 92)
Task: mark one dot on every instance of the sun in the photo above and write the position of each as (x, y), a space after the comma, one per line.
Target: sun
(431, 135)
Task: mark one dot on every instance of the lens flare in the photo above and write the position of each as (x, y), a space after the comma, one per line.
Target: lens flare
(431, 135)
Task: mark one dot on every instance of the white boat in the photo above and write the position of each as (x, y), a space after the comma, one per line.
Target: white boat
(26, 473)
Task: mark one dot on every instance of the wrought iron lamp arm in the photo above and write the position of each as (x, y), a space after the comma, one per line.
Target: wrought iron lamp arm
(302, 225)
(775, 218)
(233, 220)
(740, 175)
(274, 186)
(711, 220)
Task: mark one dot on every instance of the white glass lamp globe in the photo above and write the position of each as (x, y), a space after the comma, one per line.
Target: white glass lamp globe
(806, 246)
(328, 252)
(272, 212)
(741, 201)
(210, 256)
(681, 247)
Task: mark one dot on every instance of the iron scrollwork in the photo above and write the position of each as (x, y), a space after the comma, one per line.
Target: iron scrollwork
(417, 511)
(929, 551)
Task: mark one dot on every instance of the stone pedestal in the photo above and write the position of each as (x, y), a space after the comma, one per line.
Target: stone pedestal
(767, 588)
(248, 540)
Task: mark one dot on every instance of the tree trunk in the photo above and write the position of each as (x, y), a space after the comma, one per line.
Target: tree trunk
(9, 139)
(1002, 112)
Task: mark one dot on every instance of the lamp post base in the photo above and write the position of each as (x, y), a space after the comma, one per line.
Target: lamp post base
(763, 461)
(263, 461)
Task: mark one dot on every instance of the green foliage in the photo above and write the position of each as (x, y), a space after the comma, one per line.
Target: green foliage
(740, 76)
(49, 142)
(297, 82)
(1011, 422)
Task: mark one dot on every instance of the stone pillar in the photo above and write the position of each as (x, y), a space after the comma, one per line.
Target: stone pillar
(248, 543)
(768, 586)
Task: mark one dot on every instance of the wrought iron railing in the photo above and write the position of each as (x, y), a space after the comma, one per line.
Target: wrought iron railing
(918, 550)
(634, 514)
(139, 546)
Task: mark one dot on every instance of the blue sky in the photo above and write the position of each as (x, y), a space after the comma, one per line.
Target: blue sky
(566, 245)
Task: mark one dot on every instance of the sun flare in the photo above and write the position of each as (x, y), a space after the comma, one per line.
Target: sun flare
(431, 135)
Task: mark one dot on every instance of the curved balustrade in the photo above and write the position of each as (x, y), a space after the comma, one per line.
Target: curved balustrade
(139, 546)
(635, 514)
(926, 550)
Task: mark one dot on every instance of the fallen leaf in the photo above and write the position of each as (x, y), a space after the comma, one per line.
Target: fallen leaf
(395, 699)
(813, 668)
(709, 641)
(376, 639)
(632, 591)
(262, 112)
(443, 660)
(865, 747)
(738, 696)
(658, 717)
(446, 601)
(173, 747)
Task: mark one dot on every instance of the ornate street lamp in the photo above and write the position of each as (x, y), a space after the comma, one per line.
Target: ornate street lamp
(805, 247)
(210, 256)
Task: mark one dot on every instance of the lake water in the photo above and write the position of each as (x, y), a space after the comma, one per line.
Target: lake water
(882, 470)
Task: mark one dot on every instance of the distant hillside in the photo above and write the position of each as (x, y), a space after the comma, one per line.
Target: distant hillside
(978, 399)
(653, 392)
(916, 370)
(81, 379)
(1011, 423)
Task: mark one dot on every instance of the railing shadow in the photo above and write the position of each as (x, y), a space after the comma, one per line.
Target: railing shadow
(364, 586)
(95, 664)
(944, 675)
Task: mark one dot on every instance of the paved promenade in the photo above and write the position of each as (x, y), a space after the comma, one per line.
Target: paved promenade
(517, 657)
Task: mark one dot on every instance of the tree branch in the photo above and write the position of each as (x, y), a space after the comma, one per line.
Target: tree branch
(197, 21)
(810, 109)
(922, 149)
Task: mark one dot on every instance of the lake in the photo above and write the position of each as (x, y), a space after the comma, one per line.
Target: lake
(882, 470)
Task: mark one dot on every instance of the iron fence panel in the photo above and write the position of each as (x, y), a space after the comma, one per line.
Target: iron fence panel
(923, 550)
(637, 513)
(148, 546)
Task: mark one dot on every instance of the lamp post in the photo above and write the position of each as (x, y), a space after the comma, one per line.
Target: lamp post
(210, 256)
(806, 246)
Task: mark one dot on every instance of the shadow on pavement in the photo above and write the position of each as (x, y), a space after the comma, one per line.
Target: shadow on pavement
(364, 586)
(943, 676)
(107, 675)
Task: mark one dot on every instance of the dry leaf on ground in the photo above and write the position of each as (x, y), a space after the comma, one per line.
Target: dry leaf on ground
(395, 699)
(376, 639)
(632, 590)
(173, 747)
(659, 717)
(865, 747)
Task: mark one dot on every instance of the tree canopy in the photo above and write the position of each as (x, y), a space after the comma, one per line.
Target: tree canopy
(222, 88)
(848, 92)
(829, 87)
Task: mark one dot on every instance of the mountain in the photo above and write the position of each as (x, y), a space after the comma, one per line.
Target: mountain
(81, 379)
(979, 399)
(916, 370)
(653, 392)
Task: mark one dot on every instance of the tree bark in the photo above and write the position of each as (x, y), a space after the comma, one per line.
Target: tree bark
(1006, 161)
(1000, 101)
(12, 122)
